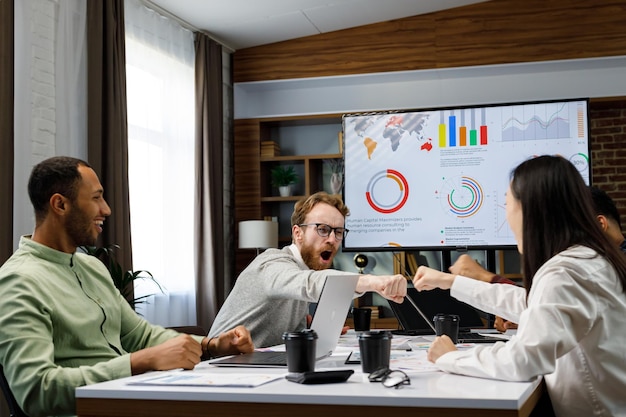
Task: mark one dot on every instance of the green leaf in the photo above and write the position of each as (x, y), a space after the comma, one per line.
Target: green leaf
(282, 175)
(123, 280)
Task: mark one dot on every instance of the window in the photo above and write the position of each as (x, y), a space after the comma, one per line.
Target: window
(160, 90)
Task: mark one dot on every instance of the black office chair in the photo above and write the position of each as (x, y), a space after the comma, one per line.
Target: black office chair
(14, 408)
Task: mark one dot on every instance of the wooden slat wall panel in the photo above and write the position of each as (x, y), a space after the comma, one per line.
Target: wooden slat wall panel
(389, 46)
(498, 32)
(493, 32)
(247, 186)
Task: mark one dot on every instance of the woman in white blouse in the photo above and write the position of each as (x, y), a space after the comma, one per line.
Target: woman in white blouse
(572, 307)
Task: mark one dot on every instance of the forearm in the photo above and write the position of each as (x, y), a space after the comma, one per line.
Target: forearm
(487, 276)
(377, 283)
(507, 301)
(56, 385)
(280, 276)
(364, 283)
(141, 361)
(209, 348)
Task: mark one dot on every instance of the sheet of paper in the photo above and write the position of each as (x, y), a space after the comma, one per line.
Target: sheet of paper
(208, 379)
(406, 360)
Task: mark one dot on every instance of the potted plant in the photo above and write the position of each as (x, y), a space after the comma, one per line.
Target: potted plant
(284, 177)
(123, 280)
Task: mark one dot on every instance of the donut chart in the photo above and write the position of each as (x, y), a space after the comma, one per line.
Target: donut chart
(464, 198)
(397, 199)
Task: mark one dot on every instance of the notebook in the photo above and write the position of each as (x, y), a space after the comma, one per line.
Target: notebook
(328, 320)
(431, 303)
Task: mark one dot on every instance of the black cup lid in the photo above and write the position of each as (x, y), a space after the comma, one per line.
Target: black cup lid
(445, 316)
(375, 334)
(307, 334)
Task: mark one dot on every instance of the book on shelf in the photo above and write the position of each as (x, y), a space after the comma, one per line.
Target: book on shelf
(340, 141)
(412, 264)
(270, 148)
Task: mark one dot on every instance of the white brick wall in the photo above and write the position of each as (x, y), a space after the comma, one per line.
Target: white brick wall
(35, 99)
(43, 122)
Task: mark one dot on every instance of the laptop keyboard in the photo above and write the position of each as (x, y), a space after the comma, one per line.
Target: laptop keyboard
(256, 358)
(464, 336)
(471, 337)
(272, 357)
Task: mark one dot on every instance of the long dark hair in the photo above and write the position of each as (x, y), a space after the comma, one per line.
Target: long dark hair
(557, 212)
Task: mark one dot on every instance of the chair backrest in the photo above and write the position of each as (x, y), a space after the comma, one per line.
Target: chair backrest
(14, 408)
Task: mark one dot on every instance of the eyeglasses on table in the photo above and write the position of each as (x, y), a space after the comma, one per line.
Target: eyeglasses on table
(390, 378)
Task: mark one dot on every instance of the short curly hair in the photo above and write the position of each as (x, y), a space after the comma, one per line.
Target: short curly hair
(58, 174)
(304, 206)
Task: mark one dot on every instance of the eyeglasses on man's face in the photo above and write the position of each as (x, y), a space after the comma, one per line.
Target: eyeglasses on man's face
(390, 378)
(324, 230)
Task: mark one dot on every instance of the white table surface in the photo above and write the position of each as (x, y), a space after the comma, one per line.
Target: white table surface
(428, 388)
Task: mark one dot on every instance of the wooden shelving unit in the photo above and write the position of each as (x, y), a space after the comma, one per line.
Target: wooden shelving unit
(255, 198)
(310, 165)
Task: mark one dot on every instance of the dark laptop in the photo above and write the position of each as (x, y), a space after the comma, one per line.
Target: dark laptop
(434, 302)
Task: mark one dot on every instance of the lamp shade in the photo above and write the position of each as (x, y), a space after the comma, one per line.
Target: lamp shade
(257, 234)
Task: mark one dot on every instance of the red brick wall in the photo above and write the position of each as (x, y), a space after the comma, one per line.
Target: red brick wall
(608, 149)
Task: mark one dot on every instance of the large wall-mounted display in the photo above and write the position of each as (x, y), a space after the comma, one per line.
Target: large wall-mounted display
(437, 178)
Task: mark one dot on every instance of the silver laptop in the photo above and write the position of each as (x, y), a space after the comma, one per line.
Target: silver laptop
(328, 320)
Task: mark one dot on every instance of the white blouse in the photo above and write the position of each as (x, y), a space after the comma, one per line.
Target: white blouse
(572, 331)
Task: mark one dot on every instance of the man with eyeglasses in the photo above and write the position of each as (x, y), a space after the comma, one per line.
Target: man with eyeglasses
(272, 295)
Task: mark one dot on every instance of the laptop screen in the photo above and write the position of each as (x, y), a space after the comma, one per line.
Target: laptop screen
(330, 316)
(431, 303)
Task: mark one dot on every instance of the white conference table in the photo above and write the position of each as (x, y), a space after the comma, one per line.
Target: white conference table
(431, 392)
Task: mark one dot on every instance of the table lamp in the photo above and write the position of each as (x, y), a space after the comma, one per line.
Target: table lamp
(258, 234)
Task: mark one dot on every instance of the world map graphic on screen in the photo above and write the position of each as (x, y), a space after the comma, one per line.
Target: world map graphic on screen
(438, 178)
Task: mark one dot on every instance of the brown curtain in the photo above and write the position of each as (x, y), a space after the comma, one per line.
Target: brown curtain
(209, 200)
(6, 129)
(107, 127)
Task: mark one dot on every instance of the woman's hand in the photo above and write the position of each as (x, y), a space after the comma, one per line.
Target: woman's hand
(441, 345)
(428, 279)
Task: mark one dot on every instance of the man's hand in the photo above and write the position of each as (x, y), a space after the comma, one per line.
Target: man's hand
(428, 279)
(232, 342)
(392, 287)
(181, 352)
(502, 325)
(466, 265)
(442, 344)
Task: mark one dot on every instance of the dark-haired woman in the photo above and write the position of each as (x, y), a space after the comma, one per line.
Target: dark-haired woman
(572, 308)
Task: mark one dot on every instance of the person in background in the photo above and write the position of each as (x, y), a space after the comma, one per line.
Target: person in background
(608, 216)
(63, 324)
(571, 308)
(606, 213)
(272, 295)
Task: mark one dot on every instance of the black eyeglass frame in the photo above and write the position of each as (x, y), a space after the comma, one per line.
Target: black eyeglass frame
(390, 377)
(343, 230)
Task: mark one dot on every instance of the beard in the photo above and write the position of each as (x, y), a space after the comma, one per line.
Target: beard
(316, 259)
(80, 228)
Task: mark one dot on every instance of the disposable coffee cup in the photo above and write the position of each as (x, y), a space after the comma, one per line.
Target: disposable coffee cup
(375, 349)
(362, 318)
(300, 347)
(447, 324)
